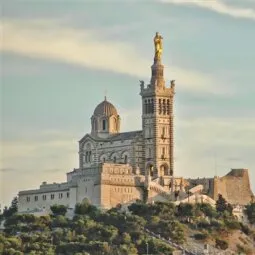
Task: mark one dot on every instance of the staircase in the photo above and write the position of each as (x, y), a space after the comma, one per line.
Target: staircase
(160, 190)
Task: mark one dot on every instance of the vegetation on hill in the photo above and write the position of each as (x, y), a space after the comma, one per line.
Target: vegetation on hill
(92, 231)
(250, 211)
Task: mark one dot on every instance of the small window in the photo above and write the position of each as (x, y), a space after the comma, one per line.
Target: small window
(44, 197)
(114, 159)
(163, 131)
(28, 199)
(60, 195)
(149, 152)
(52, 196)
(104, 125)
(125, 159)
(36, 198)
(67, 194)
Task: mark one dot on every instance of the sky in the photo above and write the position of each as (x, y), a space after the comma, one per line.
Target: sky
(59, 59)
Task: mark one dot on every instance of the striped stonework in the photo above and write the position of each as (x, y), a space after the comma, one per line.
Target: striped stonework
(157, 122)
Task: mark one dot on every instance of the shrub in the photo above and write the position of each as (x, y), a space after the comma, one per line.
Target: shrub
(185, 210)
(207, 209)
(58, 210)
(232, 224)
(250, 212)
(201, 236)
(221, 244)
(217, 224)
(86, 208)
(203, 224)
(245, 229)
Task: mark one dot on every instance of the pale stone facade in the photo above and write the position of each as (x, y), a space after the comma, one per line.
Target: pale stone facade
(119, 168)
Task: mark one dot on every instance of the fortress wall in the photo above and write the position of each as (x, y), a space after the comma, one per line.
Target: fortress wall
(234, 187)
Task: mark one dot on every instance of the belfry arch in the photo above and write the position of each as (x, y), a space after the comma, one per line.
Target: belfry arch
(150, 170)
(164, 169)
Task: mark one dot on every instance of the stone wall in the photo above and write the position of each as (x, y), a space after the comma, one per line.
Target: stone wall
(234, 187)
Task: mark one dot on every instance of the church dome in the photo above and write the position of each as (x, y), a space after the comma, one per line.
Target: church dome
(105, 109)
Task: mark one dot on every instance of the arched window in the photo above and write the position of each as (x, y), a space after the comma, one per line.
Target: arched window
(164, 106)
(163, 131)
(149, 152)
(164, 170)
(149, 133)
(163, 152)
(146, 107)
(160, 107)
(114, 159)
(104, 124)
(168, 107)
(125, 159)
(88, 153)
(115, 124)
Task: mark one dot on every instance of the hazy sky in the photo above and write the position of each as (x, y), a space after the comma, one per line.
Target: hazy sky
(59, 57)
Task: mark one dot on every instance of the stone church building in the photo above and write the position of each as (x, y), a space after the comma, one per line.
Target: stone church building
(120, 167)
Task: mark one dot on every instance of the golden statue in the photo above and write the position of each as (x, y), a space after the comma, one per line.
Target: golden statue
(158, 45)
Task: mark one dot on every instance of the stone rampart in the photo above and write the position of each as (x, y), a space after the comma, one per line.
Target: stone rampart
(234, 187)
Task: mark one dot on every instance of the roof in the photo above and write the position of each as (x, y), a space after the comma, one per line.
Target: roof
(115, 137)
(105, 108)
(125, 135)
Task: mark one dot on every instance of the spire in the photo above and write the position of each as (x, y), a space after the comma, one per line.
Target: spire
(157, 69)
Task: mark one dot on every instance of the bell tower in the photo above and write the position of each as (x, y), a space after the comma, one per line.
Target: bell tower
(157, 118)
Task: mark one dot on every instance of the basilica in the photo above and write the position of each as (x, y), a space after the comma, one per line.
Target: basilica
(118, 168)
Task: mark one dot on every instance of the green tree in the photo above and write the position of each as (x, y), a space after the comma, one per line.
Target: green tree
(86, 208)
(185, 210)
(250, 212)
(8, 212)
(58, 210)
(207, 209)
(126, 238)
(222, 205)
(60, 221)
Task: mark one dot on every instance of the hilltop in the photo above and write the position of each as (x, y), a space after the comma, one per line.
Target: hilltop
(159, 228)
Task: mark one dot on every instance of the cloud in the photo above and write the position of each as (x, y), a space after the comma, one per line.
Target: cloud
(27, 162)
(7, 169)
(88, 48)
(54, 170)
(217, 6)
(219, 131)
(203, 142)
